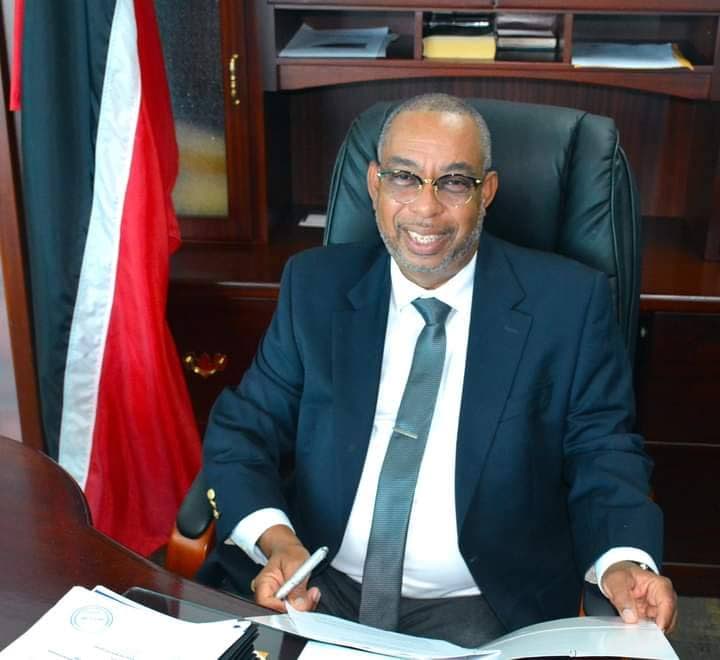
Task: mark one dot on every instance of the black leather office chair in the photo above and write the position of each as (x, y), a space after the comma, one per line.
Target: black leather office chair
(565, 187)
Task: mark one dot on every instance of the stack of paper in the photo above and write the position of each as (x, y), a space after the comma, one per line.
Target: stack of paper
(629, 56)
(357, 42)
(100, 624)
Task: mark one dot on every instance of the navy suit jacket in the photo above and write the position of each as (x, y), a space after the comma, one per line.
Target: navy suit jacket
(548, 476)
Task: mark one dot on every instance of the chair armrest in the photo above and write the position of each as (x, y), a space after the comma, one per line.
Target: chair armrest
(194, 533)
(185, 555)
(195, 513)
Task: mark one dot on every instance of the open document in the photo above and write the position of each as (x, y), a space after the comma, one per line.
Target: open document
(581, 636)
(102, 625)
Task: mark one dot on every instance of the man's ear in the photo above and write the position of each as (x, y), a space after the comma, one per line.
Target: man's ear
(489, 187)
(373, 183)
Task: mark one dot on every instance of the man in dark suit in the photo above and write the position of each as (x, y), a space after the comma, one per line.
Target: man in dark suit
(530, 478)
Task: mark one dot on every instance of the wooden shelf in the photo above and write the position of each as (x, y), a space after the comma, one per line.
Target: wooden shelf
(296, 74)
(652, 6)
(691, 23)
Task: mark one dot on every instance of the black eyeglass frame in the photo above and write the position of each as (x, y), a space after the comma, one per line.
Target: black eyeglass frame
(433, 182)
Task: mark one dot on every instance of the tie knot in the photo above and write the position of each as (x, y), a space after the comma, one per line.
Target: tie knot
(432, 310)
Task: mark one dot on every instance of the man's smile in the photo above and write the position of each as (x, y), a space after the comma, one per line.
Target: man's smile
(426, 243)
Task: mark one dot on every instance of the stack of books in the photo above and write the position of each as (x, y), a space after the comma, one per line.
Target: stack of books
(456, 35)
(529, 37)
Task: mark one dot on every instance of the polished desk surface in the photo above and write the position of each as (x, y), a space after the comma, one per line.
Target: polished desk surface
(47, 545)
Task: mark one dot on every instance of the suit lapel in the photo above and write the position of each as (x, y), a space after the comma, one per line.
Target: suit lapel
(358, 337)
(497, 337)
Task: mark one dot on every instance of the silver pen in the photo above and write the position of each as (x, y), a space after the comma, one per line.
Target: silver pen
(302, 572)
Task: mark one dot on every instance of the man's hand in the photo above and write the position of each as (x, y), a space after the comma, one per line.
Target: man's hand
(640, 594)
(285, 553)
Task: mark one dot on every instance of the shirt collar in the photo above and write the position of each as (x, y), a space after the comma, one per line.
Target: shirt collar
(456, 292)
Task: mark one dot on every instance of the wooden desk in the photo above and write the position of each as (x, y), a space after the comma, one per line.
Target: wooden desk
(47, 545)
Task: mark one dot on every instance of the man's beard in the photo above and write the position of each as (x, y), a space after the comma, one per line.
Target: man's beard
(467, 247)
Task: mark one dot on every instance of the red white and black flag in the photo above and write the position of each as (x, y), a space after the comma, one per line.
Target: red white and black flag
(99, 163)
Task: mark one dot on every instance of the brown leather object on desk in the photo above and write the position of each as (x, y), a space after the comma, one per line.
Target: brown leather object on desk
(48, 545)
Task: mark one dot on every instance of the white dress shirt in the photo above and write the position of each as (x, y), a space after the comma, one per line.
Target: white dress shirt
(434, 567)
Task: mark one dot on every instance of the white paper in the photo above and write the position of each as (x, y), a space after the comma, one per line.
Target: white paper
(589, 636)
(333, 630)
(339, 43)
(313, 220)
(625, 56)
(319, 651)
(90, 625)
(580, 636)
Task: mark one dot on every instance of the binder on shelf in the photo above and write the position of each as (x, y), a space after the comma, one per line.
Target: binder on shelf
(527, 31)
(338, 43)
(458, 23)
(527, 22)
(441, 46)
(548, 42)
(526, 55)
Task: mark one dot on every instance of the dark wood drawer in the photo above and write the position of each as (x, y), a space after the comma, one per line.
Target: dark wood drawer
(678, 378)
(216, 331)
(685, 486)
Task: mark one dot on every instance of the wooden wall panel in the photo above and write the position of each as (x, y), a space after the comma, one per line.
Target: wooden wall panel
(652, 129)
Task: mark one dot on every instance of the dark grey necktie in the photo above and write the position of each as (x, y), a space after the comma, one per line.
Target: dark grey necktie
(382, 576)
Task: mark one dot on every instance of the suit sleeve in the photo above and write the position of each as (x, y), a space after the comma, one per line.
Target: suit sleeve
(252, 427)
(605, 465)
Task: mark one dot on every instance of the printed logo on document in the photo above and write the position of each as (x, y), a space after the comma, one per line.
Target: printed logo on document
(91, 619)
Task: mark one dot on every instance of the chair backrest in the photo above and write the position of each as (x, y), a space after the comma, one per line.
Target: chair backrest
(565, 187)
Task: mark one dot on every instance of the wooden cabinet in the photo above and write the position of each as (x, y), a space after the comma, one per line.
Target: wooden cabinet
(220, 302)
(678, 389)
(678, 395)
(668, 119)
(212, 64)
(693, 30)
(257, 150)
(216, 333)
(285, 133)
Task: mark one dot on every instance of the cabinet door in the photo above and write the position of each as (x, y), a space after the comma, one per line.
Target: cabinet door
(678, 384)
(216, 334)
(207, 47)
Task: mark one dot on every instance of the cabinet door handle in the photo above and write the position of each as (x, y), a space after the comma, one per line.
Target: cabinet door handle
(204, 365)
(232, 69)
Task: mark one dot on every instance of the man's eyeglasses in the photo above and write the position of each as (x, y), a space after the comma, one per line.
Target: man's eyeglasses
(450, 189)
